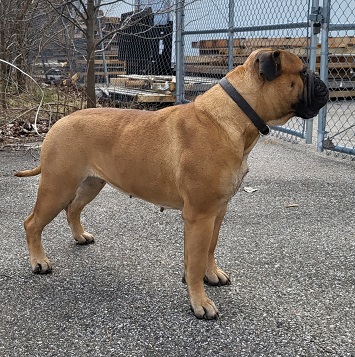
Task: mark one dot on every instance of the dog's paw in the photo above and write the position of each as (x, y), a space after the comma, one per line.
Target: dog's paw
(205, 309)
(217, 278)
(41, 266)
(84, 238)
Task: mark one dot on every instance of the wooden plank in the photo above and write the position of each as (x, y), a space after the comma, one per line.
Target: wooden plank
(342, 94)
(194, 79)
(158, 78)
(216, 43)
(160, 84)
(347, 58)
(141, 96)
(207, 59)
(335, 85)
(342, 65)
(191, 84)
(224, 51)
(335, 54)
(111, 62)
(341, 41)
(299, 51)
(99, 60)
(253, 42)
(346, 41)
(115, 73)
(209, 70)
(199, 87)
(155, 98)
(213, 43)
(117, 81)
(275, 42)
(220, 61)
(132, 86)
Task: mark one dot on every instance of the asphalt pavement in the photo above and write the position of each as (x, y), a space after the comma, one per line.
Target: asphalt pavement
(289, 247)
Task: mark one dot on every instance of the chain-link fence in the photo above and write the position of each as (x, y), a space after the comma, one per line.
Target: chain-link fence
(219, 35)
(144, 44)
(337, 131)
(156, 53)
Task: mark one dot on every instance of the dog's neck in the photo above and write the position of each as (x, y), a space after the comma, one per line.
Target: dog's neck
(234, 122)
(244, 105)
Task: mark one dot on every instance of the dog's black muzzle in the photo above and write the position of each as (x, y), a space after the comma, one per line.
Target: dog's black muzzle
(315, 96)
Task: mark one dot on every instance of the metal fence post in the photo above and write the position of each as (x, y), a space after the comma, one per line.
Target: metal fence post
(179, 48)
(314, 20)
(323, 70)
(104, 63)
(231, 34)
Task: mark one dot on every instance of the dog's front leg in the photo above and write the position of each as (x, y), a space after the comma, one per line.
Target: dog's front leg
(214, 275)
(198, 232)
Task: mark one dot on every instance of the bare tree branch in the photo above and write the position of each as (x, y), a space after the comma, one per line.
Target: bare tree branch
(111, 3)
(83, 5)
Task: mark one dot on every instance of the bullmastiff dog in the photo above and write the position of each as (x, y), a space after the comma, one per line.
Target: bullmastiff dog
(190, 157)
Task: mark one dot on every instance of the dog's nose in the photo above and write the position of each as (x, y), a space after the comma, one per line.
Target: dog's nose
(321, 91)
(315, 96)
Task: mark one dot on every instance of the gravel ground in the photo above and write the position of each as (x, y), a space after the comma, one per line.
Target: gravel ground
(292, 269)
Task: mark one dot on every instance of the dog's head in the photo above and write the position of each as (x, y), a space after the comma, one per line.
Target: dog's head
(314, 96)
(287, 83)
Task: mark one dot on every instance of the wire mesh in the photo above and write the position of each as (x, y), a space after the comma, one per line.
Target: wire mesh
(213, 29)
(136, 65)
(340, 123)
(143, 47)
(254, 24)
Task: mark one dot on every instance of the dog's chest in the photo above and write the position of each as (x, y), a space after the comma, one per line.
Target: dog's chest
(240, 174)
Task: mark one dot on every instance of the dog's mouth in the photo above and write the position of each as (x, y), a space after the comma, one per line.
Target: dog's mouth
(315, 96)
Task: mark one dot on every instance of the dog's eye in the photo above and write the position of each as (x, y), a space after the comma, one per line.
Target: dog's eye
(292, 84)
(304, 72)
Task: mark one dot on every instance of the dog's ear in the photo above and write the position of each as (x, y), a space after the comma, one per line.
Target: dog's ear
(268, 64)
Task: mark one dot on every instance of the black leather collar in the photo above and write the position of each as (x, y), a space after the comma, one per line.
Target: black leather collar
(244, 106)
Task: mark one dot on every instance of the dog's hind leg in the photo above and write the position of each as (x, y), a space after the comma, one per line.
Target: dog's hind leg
(85, 193)
(51, 199)
(214, 275)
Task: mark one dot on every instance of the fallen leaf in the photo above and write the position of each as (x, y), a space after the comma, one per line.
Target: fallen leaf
(249, 189)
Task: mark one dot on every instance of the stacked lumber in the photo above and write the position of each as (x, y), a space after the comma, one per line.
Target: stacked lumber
(244, 46)
(162, 84)
(115, 67)
(212, 60)
(143, 89)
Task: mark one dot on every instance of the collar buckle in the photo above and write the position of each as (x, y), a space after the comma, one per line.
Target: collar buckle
(265, 131)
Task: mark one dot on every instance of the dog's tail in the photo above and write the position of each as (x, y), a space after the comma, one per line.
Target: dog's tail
(32, 172)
